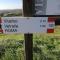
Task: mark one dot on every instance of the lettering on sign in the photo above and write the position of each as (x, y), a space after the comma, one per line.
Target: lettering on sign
(10, 30)
(42, 21)
(38, 1)
(10, 21)
(11, 26)
(40, 7)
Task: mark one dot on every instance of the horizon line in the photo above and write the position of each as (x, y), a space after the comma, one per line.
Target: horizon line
(10, 9)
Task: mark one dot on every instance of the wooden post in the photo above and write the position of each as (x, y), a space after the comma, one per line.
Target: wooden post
(27, 8)
(28, 46)
(57, 21)
(27, 12)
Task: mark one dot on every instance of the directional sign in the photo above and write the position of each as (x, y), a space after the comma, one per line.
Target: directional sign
(11, 25)
(46, 7)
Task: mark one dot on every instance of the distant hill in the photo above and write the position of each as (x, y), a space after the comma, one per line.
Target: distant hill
(11, 11)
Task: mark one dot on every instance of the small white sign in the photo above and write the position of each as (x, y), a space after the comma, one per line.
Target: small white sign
(47, 7)
(11, 25)
(53, 7)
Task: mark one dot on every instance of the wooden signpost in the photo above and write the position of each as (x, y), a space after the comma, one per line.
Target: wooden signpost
(27, 11)
(18, 25)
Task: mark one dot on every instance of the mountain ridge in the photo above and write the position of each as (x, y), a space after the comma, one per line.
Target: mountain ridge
(10, 10)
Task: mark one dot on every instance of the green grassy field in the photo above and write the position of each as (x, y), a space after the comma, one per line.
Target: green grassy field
(12, 36)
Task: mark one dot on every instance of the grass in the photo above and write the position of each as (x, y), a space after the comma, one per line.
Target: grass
(13, 36)
(57, 29)
(45, 46)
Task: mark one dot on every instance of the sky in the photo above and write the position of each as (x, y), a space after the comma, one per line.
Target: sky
(10, 4)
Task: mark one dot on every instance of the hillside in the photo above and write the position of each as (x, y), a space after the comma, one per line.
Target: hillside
(11, 12)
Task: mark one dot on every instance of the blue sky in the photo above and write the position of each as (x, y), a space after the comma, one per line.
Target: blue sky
(10, 4)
